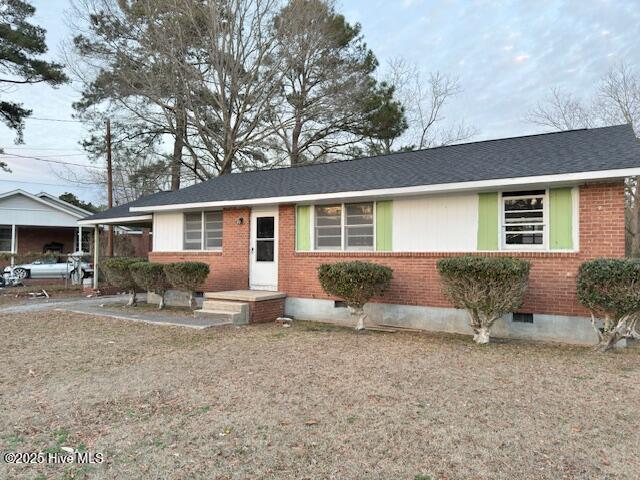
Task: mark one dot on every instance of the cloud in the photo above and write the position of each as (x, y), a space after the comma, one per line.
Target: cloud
(521, 58)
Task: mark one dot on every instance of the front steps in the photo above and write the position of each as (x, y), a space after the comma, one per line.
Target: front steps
(224, 312)
(240, 307)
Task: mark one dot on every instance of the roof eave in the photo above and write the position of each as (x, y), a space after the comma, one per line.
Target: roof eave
(557, 179)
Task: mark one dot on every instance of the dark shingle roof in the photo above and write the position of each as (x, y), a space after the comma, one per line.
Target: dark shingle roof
(572, 151)
(122, 211)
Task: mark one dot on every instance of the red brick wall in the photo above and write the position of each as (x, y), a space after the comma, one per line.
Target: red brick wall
(266, 310)
(229, 268)
(416, 281)
(32, 239)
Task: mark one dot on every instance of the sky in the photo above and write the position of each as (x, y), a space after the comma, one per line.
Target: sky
(506, 54)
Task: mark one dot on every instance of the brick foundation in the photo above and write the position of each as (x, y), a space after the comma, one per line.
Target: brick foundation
(266, 310)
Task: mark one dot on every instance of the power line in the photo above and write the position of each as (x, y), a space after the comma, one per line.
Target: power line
(51, 184)
(48, 160)
(47, 156)
(62, 120)
(44, 148)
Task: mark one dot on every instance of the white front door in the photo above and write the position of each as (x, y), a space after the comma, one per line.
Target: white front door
(263, 272)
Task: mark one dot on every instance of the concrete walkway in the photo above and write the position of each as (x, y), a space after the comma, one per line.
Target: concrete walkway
(111, 306)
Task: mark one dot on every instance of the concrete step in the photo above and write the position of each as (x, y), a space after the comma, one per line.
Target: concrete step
(223, 317)
(221, 305)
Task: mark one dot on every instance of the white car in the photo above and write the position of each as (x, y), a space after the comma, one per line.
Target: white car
(49, 267)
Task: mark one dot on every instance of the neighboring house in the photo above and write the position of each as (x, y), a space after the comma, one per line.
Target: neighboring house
(43, 223)
(555, 199)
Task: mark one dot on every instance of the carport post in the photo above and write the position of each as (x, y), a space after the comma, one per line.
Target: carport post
(96, 254)
(13, 246)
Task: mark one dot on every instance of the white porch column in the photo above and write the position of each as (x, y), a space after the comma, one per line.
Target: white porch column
(80, 238)
(13, 246)
(96, 254)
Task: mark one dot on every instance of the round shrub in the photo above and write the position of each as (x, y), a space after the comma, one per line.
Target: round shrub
(186, 276)
(355, 282)
(117, 270)
(487, 287)
(610, 288)
(151, 277)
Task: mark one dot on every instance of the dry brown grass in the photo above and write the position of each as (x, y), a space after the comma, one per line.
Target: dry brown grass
(311, 402)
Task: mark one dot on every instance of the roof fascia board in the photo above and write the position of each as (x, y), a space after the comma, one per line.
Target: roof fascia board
(389, 192)
(115, 220)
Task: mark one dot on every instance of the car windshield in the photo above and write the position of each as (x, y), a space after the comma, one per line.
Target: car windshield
(49, 260)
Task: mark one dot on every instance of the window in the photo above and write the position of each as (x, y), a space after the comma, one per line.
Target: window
(265, 229)
(522, 317)
(203, 228)
(358, 229)
(5, 238)
(523, 219)
(354, 221)
(328, 227)
(213, 230)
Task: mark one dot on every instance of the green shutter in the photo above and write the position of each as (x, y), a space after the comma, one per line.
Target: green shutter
(384, 217)
(488, 221)
(560, 219)
(303, 227)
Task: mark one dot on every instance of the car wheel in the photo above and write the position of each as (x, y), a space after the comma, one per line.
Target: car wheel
(20, 273)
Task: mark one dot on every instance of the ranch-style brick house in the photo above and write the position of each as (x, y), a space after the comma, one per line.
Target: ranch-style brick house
(555, 199)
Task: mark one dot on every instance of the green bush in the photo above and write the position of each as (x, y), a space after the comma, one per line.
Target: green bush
(487, 287)
(151, 277)
(187, 276)
(610, 289)
(119, 274)
(356, 283)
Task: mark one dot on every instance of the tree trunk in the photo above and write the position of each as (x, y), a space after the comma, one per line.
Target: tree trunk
(358, 313)
(161, 302)
(178, 144)
(192, 301)
(133, 300)
(482, 336)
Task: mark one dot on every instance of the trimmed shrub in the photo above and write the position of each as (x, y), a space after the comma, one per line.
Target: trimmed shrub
(486, 287)
(187, 276)
(610, 289)
(151, 277)
(119, 274)
(356, 283)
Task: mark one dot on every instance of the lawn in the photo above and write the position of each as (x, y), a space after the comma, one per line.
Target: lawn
(312, 402)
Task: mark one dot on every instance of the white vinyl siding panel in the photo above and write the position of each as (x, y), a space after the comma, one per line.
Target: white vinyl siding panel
(167, 232)
(20, 210)
(443, 223)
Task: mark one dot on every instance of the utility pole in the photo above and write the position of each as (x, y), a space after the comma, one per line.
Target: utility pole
(109, 188)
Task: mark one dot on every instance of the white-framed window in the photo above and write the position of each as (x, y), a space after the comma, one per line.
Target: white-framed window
(524, 220)
(347, 226)
(5, 238)
(358, 226)
(202, 231)
(328, 227)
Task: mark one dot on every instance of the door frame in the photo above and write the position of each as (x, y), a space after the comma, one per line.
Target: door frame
(257, 212)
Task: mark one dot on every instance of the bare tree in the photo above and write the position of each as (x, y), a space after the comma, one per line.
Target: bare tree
(561, 111)
(425, 100)
(617, 100)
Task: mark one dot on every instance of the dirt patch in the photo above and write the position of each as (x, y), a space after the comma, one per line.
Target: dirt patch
(303, 402)
(22, 295)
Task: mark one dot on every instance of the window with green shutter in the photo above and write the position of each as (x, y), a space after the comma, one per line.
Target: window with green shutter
(384, 227)
(303, 227)
(560, 219)
(488, 218)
